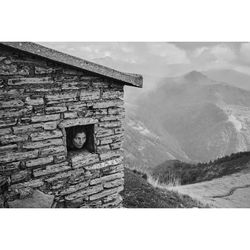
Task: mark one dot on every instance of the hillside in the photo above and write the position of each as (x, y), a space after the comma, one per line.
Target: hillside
(138, 193)
(231, 191)
(197, 118)
(232, 77)
(144, 148)
(181, 173)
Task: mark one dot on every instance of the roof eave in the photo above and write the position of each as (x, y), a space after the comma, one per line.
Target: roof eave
(54, 55)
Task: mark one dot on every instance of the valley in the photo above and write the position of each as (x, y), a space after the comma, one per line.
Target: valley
(231, 191)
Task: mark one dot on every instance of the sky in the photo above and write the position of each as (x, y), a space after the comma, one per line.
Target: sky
(161, 59)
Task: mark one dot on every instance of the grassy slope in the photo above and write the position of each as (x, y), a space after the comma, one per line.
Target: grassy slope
(186, 173)
(138, 193)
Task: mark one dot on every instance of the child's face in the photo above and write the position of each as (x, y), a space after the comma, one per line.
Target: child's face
(79, 140)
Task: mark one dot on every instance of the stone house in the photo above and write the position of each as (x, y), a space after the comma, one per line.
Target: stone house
(45, 94)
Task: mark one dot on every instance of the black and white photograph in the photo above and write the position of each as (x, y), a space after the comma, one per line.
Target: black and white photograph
(79, 131)
(124, 125)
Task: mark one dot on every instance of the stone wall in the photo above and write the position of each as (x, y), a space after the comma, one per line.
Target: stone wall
(39, 99)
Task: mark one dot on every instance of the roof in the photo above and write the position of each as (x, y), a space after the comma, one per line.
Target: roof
(54, 55)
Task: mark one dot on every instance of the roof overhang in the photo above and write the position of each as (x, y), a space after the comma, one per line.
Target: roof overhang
(54, 55)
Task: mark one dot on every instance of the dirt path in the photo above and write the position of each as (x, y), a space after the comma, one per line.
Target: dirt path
(230, 192)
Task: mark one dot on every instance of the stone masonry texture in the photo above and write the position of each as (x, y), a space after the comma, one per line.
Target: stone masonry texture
(39, 100)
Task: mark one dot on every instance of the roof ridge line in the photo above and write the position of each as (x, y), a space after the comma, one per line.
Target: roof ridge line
(135, 80)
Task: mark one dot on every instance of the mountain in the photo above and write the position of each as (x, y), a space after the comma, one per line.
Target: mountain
(175, 172)
(197, 118)
(224, 182)
(144, 148)
(232, 77)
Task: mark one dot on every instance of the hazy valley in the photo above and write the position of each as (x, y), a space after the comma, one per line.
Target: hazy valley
(191, 118)
(184, 122)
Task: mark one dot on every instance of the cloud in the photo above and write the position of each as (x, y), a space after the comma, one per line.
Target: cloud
(245, 51)
(219, 56)
(171, 53)
(223, 53)
(160, 58)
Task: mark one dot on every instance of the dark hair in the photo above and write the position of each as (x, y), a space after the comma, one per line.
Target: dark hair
(71, 134)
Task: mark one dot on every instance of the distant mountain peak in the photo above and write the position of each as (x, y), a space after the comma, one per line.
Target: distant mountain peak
(195, 76)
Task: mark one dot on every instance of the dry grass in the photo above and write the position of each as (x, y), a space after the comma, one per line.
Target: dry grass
(229, 192)
(138, 193)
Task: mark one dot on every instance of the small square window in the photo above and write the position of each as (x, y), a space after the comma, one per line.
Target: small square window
(80, 138)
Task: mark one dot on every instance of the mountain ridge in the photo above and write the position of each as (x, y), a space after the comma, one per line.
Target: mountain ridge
(202, 116)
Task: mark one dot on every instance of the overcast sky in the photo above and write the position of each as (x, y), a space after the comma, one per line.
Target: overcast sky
(159, 58)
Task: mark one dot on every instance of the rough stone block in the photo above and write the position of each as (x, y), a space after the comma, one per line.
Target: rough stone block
(119, 130)
(35, 127)
(39, 161)
(116, 145)
(87, 95)
(17, 156)
(111, 94)
(55, 109)
(59, 158)
(9, 147)
(116, 111)
(108, 104)
(107, 178)
(5, 131)
(32, 184)
(109, 154)
(11, 104)
(70, 115)
(51, 169)
(6, 139)
(52, 150)
(41, 144)
(115, 203)
(83, 158)
(8, 122)
(49, 125)
(39, 136)
(102, 149)
(3, 181)
(111, 118)
(38, 199)
(8, 69)
(61, 96)
(45, 118)
(85, 192)
(15, 113)
(77, 107)
(59, 177)
(101, 132)
(104, 193)
(34, 101)
(113, 169)
(104, 164)
(74, 188)
(92, 204)
(111, 197)
(114, 183)
(30, 80)
(76, 122)
(1, 201)
(20, 176)
(104, 141)
(75, 203)
(9, 167)
(70, 86)
(44, 70)
(11, 93)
